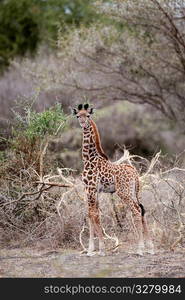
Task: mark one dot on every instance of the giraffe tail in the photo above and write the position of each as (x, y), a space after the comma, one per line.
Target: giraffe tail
(138, 196)
(142, 209)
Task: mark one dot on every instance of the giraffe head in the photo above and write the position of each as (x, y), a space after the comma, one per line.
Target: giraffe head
(83, 114)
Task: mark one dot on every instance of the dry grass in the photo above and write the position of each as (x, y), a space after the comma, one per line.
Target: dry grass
(50, 210)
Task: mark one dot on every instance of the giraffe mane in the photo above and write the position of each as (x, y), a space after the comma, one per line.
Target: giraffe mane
(97, 140)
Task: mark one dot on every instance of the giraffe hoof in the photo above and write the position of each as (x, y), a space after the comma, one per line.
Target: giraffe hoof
(101, 253)
(150, 251)
(90, 253)
(150, 247)
(139, 252)
(83, 252)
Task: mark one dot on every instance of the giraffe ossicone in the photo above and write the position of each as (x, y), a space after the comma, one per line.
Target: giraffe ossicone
(101, 175)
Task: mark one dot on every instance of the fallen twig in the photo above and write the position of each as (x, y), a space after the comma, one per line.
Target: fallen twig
(53, 184)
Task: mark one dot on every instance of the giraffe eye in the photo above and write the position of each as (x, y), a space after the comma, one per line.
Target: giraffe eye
(78, 116)
(88, 116)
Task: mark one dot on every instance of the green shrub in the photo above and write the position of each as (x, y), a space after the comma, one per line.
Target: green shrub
(40, 124)
(31, 132)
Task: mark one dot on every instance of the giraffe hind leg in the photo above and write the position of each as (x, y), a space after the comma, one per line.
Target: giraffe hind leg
(148, 240)
(147, 237)
(91, 246)
(138, 223)
(136, 218)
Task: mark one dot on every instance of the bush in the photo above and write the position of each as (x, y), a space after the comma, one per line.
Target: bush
(39, 124)
(31, 133)
(26, 162)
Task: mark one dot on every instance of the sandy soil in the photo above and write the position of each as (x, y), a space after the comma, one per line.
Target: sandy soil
(29, 262)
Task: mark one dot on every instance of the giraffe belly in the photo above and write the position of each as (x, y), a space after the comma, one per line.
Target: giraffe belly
(106, 188)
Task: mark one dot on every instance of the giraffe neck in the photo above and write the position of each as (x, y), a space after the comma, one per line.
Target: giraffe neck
(91, 143)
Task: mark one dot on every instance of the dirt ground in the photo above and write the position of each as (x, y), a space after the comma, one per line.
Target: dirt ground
(28, 262)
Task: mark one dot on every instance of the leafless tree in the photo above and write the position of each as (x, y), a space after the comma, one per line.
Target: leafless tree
(138, 56)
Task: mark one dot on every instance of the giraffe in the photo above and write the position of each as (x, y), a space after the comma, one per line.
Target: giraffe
(101, 175)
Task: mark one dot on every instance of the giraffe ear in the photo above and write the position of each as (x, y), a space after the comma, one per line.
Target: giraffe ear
(74, 111)
(80, 106)
(86, 106)
(91, 111)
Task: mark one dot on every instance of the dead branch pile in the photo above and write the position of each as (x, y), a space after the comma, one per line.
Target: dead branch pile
(52, 209)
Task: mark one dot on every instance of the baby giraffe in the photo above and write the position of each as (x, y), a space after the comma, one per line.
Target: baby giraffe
(101, 175)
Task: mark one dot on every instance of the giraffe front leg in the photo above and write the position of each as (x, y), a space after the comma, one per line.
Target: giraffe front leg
(99, 232)
(94, 222)
(91, 247)
(95, 227)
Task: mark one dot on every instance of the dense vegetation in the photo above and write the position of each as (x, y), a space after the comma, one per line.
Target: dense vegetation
(24, 24)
